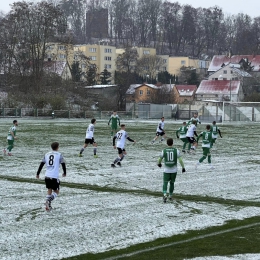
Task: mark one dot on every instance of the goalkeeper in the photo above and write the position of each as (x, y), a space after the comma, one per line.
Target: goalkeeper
(114, 119)
(170, 155)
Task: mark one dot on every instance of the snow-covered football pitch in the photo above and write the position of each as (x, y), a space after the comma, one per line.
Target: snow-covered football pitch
(100, 208)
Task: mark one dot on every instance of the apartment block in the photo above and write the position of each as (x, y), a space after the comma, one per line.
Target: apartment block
(103, 56)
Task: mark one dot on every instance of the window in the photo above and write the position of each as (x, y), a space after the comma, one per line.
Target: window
(108, 50)
(148, 92)
(146, 52)
(163, 68)
(108, 66)
(92, 49)
(93, 57)
(224, 72)
(62, 56)
(231, 71)
(107, 58)
(183, 62)
(140, 92)
(61, 47)
(164, 60)
(50, 47)
(83, 66)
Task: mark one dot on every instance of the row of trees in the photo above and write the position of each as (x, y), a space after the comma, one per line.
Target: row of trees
(168, 26)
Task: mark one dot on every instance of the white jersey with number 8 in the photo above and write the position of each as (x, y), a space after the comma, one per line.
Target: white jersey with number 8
(53, 160)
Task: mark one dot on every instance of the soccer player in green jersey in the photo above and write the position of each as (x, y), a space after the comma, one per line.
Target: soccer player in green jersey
(206, 144)
(170, 156)
(11, 137)
(182, 131)
(215, 131)
(114, 120)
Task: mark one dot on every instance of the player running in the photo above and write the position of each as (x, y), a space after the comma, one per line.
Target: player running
(121, 137)
(190, 135)
(114, 119)
(90, 138)
(160, 131)
(182, 131)
(53, 160)
(215, 131)
(170, 156)
(11, 136)
(206, 143)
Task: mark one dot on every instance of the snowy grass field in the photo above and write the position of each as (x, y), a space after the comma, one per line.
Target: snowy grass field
(106, 213)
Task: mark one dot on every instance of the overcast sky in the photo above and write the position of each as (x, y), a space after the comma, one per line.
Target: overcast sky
(250, 7)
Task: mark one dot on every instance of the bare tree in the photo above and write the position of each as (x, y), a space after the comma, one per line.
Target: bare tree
(149, 65)
(24, 33)
(127, 60)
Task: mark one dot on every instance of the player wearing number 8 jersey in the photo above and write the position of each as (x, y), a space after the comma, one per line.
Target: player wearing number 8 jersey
(121, 137)
(170, 155)
(52, 160)
(206, 145)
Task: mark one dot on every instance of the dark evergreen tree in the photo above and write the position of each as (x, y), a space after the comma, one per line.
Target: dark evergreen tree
(76, 72)
(105, 77)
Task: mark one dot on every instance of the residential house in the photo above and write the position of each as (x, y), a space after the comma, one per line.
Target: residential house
(235, 61)
(141, 93)
(184, 93)
(103, 56)
(219, 90)
(232, 71)
(148, 93)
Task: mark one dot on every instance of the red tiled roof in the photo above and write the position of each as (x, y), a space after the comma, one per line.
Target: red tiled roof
(218, 87)
(219, 60)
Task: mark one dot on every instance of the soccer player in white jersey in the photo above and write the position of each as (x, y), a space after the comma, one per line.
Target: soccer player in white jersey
(195, 117)
(190, 135)
(10, 138)
(52, 160)
(160, 131)
(90, 138)
(121, 137)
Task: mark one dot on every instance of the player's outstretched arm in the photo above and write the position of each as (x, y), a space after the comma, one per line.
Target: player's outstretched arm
(39, 170)
(64, 169)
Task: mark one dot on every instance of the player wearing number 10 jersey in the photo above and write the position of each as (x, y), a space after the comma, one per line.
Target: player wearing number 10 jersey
(52, 160)
(121, 137)
(170, 156)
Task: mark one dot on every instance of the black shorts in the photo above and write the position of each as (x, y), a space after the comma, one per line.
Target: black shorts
(120, 150)
(160, 133)
(90, 141)
(52, 183)
(191, 139)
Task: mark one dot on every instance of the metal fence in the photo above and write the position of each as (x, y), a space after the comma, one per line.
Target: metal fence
(220, 112)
